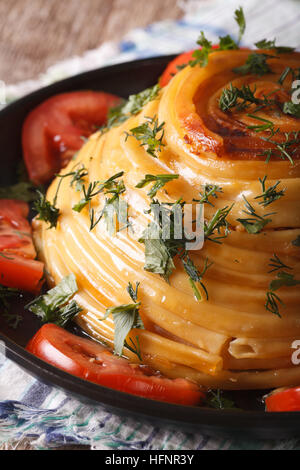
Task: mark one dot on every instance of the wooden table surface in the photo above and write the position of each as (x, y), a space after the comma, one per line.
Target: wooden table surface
(35, 34)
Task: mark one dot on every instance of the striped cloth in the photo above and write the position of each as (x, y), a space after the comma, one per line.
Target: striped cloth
(48, 416)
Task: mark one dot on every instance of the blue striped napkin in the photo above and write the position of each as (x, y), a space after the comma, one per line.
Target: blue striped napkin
(49, 417)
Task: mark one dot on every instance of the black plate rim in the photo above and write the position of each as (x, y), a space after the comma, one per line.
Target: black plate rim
(215, 422)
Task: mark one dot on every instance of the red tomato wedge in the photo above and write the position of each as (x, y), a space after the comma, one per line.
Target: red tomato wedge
(283, 399)
(53, 131)
(172, 69)
(91, 361)
(18, 267)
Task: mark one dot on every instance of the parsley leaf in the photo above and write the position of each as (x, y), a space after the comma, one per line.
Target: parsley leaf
(126, 317)
(255, 64)
(200, 56)
(227, 43)
(158, 258)
(53, 307)
(241, 21)
(265, 44)
(161, 249)
(216, 399)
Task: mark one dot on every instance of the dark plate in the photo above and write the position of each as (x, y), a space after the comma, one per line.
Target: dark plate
(123, 80)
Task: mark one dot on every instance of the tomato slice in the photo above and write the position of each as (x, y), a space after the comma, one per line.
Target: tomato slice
(18, 267)
(15, 230)
(283, 399)
(172, 67)
(53, 131)
(91, 361)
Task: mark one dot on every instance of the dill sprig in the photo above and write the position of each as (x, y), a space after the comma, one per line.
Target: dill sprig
(132, 106)
(196, 276)
(284, 150)
(241, 98)
(216, 224)
(150, 134)
(78, 176)
(255, 223)
(97, 187)
(267, 124)
(210, 190)
(47, 211)
(277, 264)
(159, 182)
(271, 194)
(283, 279)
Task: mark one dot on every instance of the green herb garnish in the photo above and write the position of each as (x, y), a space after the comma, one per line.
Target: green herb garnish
(216, 224)
(126, 317)
(271, 194)
(265, 44)
(47, 211)
(150, 134)
(282, 279)
(291, 108)
(22, 191)
(159, 182)
(255, 223)
(276, 264)
(200, 56)
(255, 64)
(215, 399)
(131, 107)
(195, 276)
(54, 306)
(241, 21)
(210, 190)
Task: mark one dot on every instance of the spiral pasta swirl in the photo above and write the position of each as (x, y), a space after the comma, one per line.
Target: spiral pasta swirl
(229, 341)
